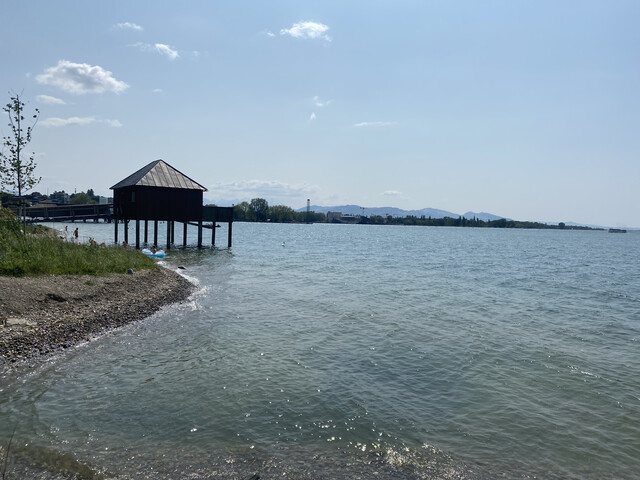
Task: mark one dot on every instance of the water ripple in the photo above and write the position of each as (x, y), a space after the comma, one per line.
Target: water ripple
(404, 352)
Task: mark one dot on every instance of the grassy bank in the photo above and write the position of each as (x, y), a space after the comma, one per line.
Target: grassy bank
(40, 254)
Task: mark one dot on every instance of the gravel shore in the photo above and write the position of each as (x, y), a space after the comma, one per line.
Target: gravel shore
(41, 315)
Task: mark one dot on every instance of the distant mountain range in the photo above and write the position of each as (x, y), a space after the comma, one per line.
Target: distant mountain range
(398, 212)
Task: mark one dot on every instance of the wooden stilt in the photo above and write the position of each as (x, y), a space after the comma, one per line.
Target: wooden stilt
(137, 234)
(155, 233)
(199, 233)
(213, 234)
(229, 236)
(126, 232)
(168, 234)
(115, 233)
(146, 231)
(184, 234)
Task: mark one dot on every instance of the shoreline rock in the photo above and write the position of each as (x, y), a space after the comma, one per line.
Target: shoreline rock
(42, 315)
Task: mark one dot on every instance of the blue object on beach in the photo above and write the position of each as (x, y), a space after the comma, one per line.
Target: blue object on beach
(149, 253)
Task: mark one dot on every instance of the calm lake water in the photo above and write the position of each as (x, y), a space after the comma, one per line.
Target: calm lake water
(358, 352)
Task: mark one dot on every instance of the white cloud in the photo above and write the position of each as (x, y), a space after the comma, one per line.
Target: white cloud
(270, 34)
(50, 100)
(312, 117)
(166, 50)
(391, 193)
(373, 124)
(160, 48)
(271, 190)
(320, 103)
(156, 90)
(307, 30)
(65, 122)
(128, 26)
(81, 78)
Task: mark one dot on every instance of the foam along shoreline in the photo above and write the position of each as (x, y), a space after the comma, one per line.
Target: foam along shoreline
(42, 315)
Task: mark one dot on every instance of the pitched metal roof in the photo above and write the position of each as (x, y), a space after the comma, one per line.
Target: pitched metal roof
(159, 174)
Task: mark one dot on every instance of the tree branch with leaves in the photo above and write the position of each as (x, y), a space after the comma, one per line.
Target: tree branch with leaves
(16, 171)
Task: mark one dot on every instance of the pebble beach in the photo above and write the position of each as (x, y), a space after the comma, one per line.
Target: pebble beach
(45, 314)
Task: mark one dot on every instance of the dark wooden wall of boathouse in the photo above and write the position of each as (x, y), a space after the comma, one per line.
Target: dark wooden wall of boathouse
(159, 192)
(158, 203)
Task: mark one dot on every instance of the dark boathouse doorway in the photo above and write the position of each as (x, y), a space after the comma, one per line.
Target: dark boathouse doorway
(159, 192)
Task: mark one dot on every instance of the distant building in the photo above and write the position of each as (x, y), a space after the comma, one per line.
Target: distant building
(61, 198)
(334, 217)
(46, 204)
(338, 217)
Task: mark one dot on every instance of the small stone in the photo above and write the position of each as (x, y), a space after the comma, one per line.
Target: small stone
(130, 271)
(56, 297)
(19, 321)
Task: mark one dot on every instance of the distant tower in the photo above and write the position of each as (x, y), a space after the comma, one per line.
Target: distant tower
(308, 210)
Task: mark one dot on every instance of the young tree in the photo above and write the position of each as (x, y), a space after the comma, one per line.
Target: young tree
(241, 212)
(258, 209)
(81, 199)
(93, 196)
(16, 171)
(281, 213)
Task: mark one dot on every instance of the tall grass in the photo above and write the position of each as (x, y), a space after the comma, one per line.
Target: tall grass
(22, 255)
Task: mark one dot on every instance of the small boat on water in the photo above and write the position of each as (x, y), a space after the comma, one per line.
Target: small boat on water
(617, 230)
(151, 253)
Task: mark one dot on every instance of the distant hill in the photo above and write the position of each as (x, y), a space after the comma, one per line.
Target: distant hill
(398, 212)
(484, 216)
(383, 211)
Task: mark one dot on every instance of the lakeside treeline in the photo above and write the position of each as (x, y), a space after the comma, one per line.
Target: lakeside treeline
(58, 197)
(466, 222)
(259, 210)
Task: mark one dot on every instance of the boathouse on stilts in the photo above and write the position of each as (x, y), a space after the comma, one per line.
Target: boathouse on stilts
(158, 192)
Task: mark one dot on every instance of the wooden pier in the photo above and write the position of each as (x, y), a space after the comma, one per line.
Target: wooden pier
(70, 213)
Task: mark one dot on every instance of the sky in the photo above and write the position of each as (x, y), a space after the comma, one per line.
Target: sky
(527, 109)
